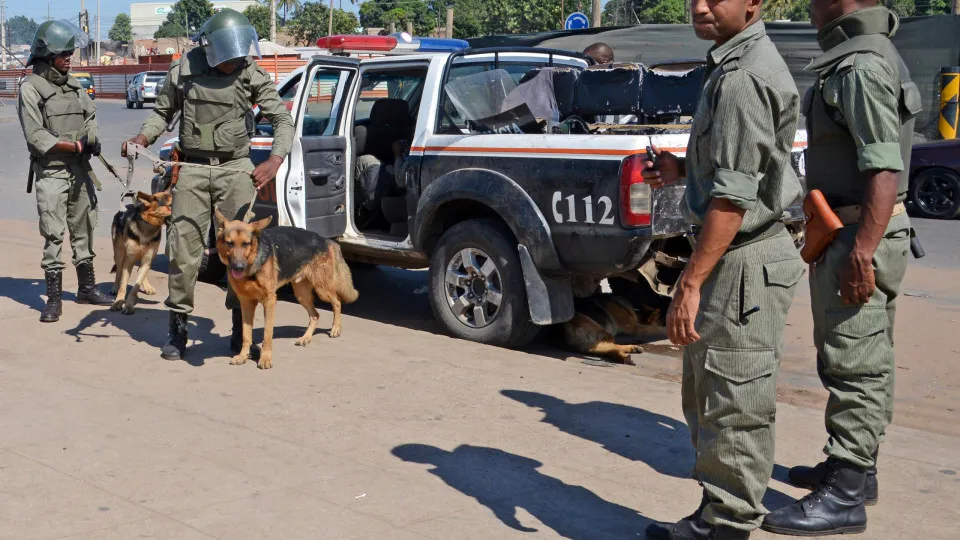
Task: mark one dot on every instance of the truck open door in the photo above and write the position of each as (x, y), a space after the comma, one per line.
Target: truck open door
(314, 196)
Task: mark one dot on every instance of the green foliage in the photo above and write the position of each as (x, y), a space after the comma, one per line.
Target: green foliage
(121, 29)
(312, 20)
(21, 30)
(661, 11)
(903, 8)
(259, 16)
(292, 5)
(191, 12)
(799, 10)
(380, 13)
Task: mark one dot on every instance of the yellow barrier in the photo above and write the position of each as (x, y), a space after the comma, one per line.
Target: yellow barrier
(949, 102)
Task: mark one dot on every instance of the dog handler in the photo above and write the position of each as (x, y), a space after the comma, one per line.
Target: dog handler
(860, 116)
(730, 306)
(60, 126)
(214, 86)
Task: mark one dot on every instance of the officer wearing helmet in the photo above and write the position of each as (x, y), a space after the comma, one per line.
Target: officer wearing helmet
(60, 126)
(214, 87)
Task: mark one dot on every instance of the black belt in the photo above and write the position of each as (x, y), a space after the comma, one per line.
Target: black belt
(762, 232)
(205, 160)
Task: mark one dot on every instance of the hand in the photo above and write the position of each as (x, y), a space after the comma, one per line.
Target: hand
(88, 148)
(666, 171)
(139, 139)
(857, 280)
(266, 171)
(682, 315)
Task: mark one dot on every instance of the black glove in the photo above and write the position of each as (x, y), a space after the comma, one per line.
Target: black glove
(89, 148)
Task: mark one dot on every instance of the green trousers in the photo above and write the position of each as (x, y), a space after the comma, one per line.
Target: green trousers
(855, 344)
(729, 389)
(197, 193)
(65, 201)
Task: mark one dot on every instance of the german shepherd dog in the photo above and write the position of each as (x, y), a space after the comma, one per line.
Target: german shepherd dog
(597, 321)
(261, 260)
(136, 239)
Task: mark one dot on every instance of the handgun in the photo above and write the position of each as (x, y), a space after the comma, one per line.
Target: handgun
(915, 246)
(651, 156)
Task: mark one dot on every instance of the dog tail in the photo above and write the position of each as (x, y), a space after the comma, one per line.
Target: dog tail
(342, 277)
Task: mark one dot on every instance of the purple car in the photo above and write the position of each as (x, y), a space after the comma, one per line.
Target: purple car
(935, 179)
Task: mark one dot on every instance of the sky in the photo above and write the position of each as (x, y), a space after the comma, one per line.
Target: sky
(62, 9)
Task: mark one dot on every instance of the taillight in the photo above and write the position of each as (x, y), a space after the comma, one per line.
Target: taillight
(635, 200)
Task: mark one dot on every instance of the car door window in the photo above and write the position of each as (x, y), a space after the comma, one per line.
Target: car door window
(323, 102)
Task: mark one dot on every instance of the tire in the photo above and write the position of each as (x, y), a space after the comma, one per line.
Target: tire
(484, 241)
(935, 193)
(139, 103)
(212, 269)
(129, 103)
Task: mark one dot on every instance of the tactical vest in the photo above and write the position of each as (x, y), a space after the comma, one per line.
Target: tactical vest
(831, 155)
(215, 107)
(62, 111)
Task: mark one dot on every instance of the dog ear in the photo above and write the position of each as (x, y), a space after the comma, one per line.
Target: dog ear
(145, 198)
(259, 226)
(221, 219)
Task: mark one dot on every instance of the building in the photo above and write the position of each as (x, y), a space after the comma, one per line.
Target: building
(146, 18)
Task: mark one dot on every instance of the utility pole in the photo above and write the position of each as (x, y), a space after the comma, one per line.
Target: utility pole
(956, 7)
(330, 22)
(83, 25)
(273, 20)
(596, 14)
(410, 27)
(98, 32)
(3, 33)
(449, 31)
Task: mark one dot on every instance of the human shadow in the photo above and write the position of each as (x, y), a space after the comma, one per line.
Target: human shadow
(149, 326)
(30, 293)
(635, 434)
(504, 482)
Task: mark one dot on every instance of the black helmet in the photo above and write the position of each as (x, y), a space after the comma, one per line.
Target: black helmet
(226, 36)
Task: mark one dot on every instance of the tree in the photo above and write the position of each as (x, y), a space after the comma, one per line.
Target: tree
(21, 30)
(311, 21)
(121, 29)
(661, 11)
(799, 10)
(193, 13)
(380, 13)
(903, 8)
(292, 4)
(259, 16)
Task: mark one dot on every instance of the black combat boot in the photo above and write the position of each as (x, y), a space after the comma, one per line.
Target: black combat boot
(690, 527)
(834, 507)
(54, 308)
(176, 346)
(236, 336)
(87, 291)
(811, 477)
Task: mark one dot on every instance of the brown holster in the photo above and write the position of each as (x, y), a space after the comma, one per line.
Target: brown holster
(823, 225)
(175, 170)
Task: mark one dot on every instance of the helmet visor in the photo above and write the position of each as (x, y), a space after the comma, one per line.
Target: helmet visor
(230, 43)
(66, 38)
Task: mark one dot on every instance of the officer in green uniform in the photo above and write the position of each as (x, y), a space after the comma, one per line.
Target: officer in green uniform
(60, 126)
(860, 115)
(730, 306)
(214, 86)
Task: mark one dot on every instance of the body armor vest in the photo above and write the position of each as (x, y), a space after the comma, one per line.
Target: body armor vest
(62, 112)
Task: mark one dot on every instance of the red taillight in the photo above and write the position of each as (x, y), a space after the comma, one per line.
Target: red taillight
(143, 88)
(359, 43)
(635, 200)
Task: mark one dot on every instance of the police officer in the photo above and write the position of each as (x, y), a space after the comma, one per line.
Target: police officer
(214, 86)
(60, 126)
(730, 305)
(860, 115)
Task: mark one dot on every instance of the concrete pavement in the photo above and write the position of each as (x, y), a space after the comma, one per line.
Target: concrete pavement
(388, 432)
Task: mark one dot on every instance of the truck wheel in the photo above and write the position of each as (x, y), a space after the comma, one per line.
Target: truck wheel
(935, 193)
(476, 285)
(129, 103)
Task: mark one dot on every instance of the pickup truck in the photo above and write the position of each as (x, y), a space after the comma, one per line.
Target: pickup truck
(513, 213)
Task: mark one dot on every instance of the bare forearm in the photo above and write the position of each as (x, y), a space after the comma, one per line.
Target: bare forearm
(720, 226)
(65, 147)
(878, 202)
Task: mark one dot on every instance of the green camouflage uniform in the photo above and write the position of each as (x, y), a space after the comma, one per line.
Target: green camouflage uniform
(213, 125)
(739, 150)
(54, 107)
(860, 117)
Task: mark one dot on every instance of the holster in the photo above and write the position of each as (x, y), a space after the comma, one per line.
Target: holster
(30, 174)
(823, 225)
(175, 170)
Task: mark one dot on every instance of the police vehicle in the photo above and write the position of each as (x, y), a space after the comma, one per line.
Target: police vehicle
(493, 168)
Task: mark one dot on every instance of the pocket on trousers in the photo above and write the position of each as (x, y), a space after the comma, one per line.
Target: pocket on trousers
(856, 341)
(784, 274)
(741, 387)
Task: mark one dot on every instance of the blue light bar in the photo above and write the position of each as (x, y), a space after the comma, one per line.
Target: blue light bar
(442, 45)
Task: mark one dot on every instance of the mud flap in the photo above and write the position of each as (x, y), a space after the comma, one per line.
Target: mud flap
(550, 299)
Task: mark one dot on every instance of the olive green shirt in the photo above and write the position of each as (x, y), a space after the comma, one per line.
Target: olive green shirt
(263, 93)
(39, 138)
(864, 93)
(743, 131)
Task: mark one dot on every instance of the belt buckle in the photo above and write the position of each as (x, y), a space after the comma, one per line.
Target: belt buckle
(214, 161)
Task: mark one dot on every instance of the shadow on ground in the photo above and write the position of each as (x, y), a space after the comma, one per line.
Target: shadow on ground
(31, 293)
(504, 482)
(630, 432)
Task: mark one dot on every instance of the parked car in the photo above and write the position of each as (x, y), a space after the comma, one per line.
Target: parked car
(86, 81)
(144, 88)
(935, 179)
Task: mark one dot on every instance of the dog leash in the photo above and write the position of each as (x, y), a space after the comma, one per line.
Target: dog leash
(135, 150)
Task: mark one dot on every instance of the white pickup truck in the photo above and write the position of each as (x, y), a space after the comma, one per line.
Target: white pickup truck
(512, 208)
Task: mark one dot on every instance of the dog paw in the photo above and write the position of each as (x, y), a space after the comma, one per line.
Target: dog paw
(128, 310)
(637, 349)
(117, 306)
(335, 332)
(303, 342)
(148, 290)
(266, 361)
(239, 359)
(627, 361)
